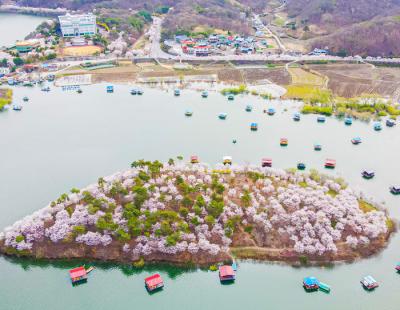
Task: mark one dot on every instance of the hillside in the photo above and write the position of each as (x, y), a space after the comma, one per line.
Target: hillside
(347, 27)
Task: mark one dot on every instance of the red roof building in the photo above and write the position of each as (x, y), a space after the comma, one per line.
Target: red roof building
(154, 282)
(78, 274)
(226, 273)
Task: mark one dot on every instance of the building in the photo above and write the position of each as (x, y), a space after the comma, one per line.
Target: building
(77, 25)
(26, 46)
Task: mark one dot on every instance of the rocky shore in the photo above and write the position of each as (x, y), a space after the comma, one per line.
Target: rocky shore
(194, 214)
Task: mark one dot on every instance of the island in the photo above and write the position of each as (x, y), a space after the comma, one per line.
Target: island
(183, 213)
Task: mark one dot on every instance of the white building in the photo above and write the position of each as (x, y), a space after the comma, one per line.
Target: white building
(78, 25)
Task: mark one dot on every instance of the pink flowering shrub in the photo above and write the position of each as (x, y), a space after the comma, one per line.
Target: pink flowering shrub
(172, 209)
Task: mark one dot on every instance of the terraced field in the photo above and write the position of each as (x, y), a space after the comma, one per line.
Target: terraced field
(352, 80)
(301, 76)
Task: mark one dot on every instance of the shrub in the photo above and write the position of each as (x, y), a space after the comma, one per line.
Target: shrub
(19, 238)
(79, 230)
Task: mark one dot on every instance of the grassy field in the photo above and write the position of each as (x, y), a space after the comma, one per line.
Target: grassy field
(304, 77)
(80, 50)
(5, 97)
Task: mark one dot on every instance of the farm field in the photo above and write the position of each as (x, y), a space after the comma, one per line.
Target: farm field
(80, 50)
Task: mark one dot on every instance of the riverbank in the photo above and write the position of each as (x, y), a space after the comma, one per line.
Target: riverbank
(193, 214)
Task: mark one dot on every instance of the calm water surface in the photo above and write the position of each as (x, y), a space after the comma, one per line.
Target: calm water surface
(16, 27)
(62, 140)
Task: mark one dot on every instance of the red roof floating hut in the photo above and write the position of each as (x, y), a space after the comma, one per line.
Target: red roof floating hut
(78, 274)
(154, 282)
(226, 273)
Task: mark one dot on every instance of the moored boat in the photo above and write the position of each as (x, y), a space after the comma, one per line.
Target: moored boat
(17, 107)
(284, 142)
(231, 97)
(188, 112)
(226, 273)
(324, 287)
(134, 91)
(296, 116)
(194, 159)
(330, 163)
(348, 121)
(356, 140)
(271, 111)
(310, 284)
(395, 190)
(204, 94)
(222, 115)
(110, 89)
(139, 91)
(321, 119)
(368, 174)
(317, 147)
(390, 122)
(369, 283)
(25, 99)
(249, 108)
(154, 282)
(78, 275)
(266, 162)
(377, 126)
(301, 166)
(253, 126)
(397, 268)
(79, 91)
(227, 160)
(177, 92)
(46, 89)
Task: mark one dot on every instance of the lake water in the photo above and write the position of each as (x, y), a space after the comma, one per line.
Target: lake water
(16, 27)
(62, 140)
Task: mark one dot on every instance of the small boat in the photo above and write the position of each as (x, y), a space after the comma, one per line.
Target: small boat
(134, 91)
(79, 91)
(377, 126)
(227, 160)
(154, 282)
(110, 89)
(397, 267)
(234, 141)
(369, 283)
(301, 166)
(368, 174)
(27, 83)
(395, 190)
(51, 77)
(177, 92)
(390, 122)
(11, 81)
(296, 116)
(226, 273)
(284, 142)
(25, 99)
(330, 163)
(78, 275)
(234, 266)
(271, 111)
(266, 162)
(249, 108)
(253, 126)
(231, 97)
(139, 91)
(204, 94)
(194, 159)
(46, 89)
(188, 113)
(310, 284)
(348, 121)
(90, 269)
(317, 147)
(17, 107)
(321, 119)
(324, 287)
(356, 140)
(222, 115)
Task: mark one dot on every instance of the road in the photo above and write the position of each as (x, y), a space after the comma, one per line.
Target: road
(270, 33)
(154, 37)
